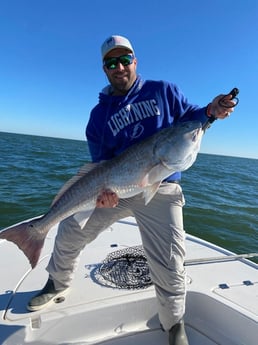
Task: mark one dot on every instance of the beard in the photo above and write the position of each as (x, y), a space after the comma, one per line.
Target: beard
(122, 82)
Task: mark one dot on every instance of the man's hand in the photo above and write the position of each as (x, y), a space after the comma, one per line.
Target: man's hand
(221, 106)
(107, 199)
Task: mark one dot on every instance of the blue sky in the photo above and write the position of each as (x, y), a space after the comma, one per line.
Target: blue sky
(51, 73)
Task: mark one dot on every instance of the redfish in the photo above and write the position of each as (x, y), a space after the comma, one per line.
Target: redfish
(139, 169)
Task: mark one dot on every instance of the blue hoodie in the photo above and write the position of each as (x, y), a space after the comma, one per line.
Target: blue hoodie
(118, 122)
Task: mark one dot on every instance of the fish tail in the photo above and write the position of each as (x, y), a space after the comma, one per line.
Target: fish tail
(27, 238)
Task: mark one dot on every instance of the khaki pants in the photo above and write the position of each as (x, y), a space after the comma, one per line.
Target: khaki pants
(163, 238)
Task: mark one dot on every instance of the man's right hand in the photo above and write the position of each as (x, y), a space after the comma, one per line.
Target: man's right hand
(107, 199)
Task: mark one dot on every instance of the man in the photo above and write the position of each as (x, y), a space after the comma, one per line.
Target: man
(129, 110)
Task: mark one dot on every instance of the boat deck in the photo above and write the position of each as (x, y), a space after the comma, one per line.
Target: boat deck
(222, 298)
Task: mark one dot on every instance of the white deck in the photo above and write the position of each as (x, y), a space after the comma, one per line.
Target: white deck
(96, 314)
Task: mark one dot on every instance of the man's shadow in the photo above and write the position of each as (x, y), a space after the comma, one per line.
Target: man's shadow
(15, 304)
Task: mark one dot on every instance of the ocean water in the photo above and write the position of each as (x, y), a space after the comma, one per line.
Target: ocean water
(221, 192)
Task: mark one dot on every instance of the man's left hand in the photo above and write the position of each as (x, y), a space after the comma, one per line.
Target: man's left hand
(221, 106)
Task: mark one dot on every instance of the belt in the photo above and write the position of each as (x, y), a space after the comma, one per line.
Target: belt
(173, 181)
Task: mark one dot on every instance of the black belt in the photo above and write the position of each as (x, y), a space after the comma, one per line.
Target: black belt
(173, 181)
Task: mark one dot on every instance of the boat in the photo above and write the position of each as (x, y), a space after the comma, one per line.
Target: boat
(112, 300)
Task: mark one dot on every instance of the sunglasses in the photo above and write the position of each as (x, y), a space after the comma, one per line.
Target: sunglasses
(125, 60)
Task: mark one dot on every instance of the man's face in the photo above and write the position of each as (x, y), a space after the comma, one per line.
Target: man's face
(121, 77)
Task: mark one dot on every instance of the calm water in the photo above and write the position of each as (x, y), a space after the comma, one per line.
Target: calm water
(221, 192)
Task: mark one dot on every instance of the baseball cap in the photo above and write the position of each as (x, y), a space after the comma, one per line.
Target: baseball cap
(113, 42)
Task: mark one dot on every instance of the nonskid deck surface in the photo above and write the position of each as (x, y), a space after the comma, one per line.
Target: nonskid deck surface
(220, 296)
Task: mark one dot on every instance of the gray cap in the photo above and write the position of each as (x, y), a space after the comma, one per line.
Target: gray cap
(115, 42)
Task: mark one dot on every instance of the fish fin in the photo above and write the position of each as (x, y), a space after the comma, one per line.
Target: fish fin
(150, 191)
(151, 182)
(87, 167)
(81, 173)
(152, 176)
(27, 239)
(158, 172)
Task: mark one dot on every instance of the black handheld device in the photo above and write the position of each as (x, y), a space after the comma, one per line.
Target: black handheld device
(234, 92)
